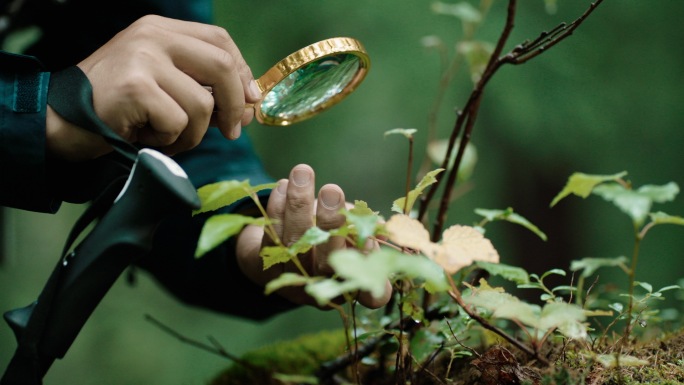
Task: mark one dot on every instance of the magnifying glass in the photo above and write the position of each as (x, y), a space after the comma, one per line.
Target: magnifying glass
(310, 81)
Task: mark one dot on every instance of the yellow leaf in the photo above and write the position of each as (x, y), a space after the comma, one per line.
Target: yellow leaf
(462, 246)
(407, 232)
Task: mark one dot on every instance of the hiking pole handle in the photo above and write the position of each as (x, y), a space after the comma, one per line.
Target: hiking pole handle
(156, 188)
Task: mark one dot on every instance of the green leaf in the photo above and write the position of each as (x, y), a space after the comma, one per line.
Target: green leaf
(425, 343)
(645, 285)
(581, 184)
(511, 273)
(326, 290)
(286, 279)
(407, 132)
(637, 203)
(363, 225)
(273, 255)
(566, 317)
(361, 208)
(590, 265)
(219, 228)
(464, 11)
(661, 218)
(553, 271)
(431, 41)
(509, 215)
(612, 361)
(295, 379)
(367, 273)
(671, 287)
(660, 194)
(425, 182)
(312, 237)
(437, 152)
(370, 272)
(551, 6)
(477, 54)
(216, 195)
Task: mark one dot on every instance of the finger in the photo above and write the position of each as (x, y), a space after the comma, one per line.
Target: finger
(275, 209)
(196, 101)
(218, 37)
(214, 67)
(328, 217)
(248, 247)
(299, 203)
(153, 117)
(366, 299)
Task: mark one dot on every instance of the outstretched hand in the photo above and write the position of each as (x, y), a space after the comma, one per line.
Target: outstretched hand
(161, 82)
(293, 206)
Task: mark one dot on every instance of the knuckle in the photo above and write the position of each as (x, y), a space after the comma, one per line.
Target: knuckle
(224, 60)
(296, 203)
(205, 103)
(219, 34)
(145, 27)
(330, 221)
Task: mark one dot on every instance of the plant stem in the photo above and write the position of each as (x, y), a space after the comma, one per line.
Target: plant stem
(456, 295)
(632, 276)
(409, 172)
(466, 118)
(215, 349)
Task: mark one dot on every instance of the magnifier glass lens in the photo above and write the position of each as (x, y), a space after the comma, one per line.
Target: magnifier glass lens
(309, 88)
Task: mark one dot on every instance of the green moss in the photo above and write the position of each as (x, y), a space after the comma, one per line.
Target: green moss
(301, 356)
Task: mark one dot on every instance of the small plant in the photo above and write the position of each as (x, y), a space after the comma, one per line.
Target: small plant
(446, 309)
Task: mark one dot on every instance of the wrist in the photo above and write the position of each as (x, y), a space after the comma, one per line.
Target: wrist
(70, 142)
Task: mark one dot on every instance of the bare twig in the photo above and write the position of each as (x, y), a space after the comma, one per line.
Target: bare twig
(214, 348)
(466, 118)
(547, 40)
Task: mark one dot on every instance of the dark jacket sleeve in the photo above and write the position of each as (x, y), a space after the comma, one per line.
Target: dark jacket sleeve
(23, 163)
(214, 281)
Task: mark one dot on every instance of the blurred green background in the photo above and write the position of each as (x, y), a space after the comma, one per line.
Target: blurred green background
(605, 100)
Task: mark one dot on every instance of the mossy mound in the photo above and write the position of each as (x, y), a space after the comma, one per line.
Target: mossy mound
(301, 356)
(573, 364)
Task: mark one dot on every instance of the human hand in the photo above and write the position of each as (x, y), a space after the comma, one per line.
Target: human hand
(293, 205)
(150, 86)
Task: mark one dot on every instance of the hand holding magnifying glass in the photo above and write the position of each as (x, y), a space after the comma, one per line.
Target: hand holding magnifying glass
(310, 81)
(146, 88)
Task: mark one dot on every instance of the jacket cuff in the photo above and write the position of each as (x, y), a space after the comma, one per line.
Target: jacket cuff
(23, 161)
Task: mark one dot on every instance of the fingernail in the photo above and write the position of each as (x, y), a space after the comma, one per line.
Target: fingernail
(330, 198)
(301, 177)
(236, 131)
(254, 90)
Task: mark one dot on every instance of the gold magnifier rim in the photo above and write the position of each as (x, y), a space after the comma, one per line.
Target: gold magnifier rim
(299, 59)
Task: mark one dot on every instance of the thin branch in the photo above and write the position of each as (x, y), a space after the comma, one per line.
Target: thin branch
(456, 295)
(466, 118)
(546, 41)
(215, 348)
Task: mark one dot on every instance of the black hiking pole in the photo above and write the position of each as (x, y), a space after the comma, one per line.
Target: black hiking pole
(156, 188)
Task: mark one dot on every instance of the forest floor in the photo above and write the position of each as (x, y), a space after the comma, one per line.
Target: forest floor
(659, 361)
